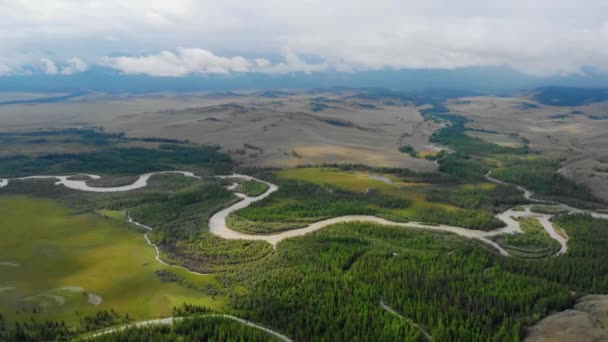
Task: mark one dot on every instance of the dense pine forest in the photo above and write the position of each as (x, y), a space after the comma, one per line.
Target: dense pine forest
(454, 289)
(195, 328)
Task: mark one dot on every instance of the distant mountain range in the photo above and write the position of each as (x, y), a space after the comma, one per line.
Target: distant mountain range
(486, 79)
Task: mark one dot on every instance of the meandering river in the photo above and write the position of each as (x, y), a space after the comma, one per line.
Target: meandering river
(217, 222)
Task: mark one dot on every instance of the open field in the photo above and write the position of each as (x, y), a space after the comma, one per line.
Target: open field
(251, 188)
(61, 266)
(257, 129)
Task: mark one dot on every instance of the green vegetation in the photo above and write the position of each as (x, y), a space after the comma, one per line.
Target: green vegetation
(331, 176)
(455, 137)
(57, 264)
(252, 188)
(298, 202)
(534, 242)
(182, 213)
(34, 330)
(328, 286)
(113, 214)
(206, 253)
(180, 222)
(538, 174)
(56, 142)
(409, 150)
(474, 157)
(483, 196)
(583, 268)
(302, 203)
(65, 136)
(195, 328)
(114, 160)
(548, 209)
(176, 207)
(323, 286)
(200, 324)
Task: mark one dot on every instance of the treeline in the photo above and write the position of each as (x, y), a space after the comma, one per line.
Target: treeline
(161, 140)
(474, 197)
(409, 150)
(103, 319)
(463, 167)
(118, 161)
(539, 176)
(196, 328)
(85, 136)
(35, 331)
(455, 137)
(481, 219)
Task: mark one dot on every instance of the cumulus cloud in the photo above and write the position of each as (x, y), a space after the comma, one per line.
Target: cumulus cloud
(5, 70)
(187, 61)
(48, 66)
(541, 37)
(73, 65)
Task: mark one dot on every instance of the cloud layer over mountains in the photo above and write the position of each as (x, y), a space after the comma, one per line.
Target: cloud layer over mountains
(183, 37)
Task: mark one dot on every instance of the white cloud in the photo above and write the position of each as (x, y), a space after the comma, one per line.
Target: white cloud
(540, 37)
(5, 70)
(48, 66)
(262, 62)
(74, 65)
(199, 61)
(184, 62)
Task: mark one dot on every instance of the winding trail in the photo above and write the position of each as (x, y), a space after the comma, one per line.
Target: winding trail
(170, 320)
(410, 321)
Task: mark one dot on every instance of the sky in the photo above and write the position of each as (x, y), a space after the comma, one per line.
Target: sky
(182, 38)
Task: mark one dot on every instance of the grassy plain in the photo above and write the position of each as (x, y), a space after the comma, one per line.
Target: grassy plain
(252, 188)
(48, 253)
